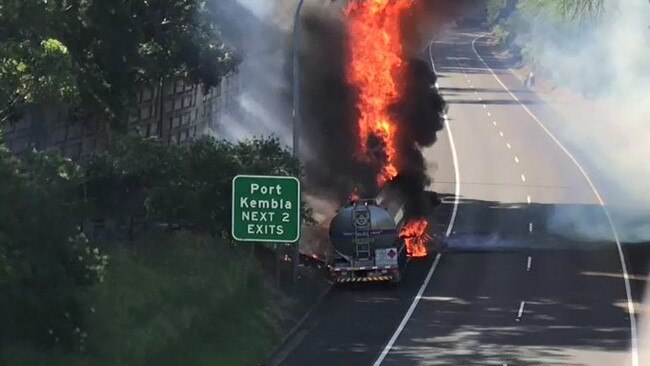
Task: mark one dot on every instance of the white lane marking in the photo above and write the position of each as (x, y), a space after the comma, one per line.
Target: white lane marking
(626, 277)
(494, 123)
(508, 145)
(517, 159)
(452, 220)
(521, 309)
(530, 227)
(408, 314)
(454, 156)
(479, 98)
(484, 106)
(489, 114)
(528, 199)
(475, 92)
(523, 178)
(529, 263)
(501, 133)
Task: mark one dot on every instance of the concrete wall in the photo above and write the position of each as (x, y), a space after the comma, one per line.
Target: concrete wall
(187, 113)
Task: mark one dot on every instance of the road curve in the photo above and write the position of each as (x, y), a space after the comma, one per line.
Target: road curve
(514, 289)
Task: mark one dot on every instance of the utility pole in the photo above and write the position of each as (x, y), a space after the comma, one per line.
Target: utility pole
(296, 119)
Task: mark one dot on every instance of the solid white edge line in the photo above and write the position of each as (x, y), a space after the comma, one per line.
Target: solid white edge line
(408, 314)
(454, 156)
(452, 220)
(626, 277)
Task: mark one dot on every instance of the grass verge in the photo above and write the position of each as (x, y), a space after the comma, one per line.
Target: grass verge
(177, 300)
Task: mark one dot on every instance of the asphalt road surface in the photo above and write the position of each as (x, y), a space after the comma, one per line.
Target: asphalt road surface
(517, 287)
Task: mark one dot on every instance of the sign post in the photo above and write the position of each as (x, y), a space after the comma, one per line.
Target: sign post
(266, 209)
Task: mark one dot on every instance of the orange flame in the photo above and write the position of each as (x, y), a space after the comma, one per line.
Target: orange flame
(416, 237)
(376, 68)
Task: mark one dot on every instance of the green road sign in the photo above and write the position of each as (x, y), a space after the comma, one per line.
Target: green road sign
(266, 209)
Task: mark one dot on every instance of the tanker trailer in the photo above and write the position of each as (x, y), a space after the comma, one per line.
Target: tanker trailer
(365, 242)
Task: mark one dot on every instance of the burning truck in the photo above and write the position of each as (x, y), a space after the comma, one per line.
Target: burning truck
(372, 106)
(372, 241)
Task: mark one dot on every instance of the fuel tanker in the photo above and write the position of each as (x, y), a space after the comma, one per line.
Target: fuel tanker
(365, 241)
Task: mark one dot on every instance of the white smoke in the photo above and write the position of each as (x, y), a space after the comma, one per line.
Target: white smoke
(608, 61)
(262, 107)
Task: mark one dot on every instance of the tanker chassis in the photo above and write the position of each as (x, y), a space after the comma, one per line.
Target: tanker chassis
(365, 243)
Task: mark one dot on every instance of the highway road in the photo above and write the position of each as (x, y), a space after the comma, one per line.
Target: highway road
(516, 288)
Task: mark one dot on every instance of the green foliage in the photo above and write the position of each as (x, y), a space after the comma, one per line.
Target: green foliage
(45, 260)
(34, 72)
(565, 12)
(205, 297)
(93, 54)
(495, 9)
(501, 33)
(51, 276)
(186, 301)
(188, 186)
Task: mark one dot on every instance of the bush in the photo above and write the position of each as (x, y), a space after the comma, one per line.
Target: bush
(186, 300)
(501, 33)
(495, 9)
(186, 187)
(154, 308)
(46, 262)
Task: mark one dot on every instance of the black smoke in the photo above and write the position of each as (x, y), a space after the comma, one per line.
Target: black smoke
(330, 117)
(328, 112)
(420, 115)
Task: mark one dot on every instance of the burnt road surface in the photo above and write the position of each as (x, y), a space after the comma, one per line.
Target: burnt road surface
(516, 288)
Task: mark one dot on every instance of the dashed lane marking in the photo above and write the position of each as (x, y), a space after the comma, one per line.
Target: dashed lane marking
(634, 347)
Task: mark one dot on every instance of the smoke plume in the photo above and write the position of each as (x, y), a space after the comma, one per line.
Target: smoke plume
(262, 30)
(330, 113)
(607, 62)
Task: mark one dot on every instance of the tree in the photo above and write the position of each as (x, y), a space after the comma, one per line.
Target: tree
(186, 186)
(31, 73)
(44, 259)
(566, 11)
(103, 50)
(119, 181)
